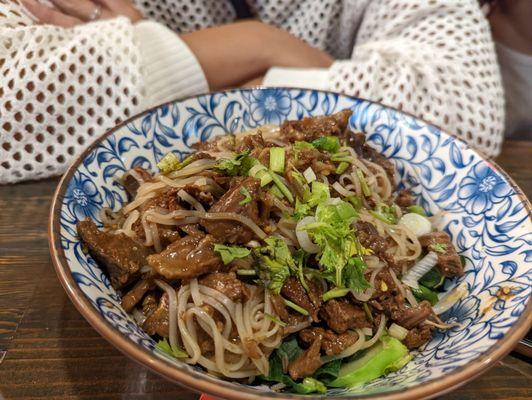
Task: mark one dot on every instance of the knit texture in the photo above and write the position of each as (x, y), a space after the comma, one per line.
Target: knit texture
(61, 88)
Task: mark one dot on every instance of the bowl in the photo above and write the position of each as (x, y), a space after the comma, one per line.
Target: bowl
(484, 211)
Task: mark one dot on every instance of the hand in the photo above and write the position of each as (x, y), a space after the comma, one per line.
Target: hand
(68, 13)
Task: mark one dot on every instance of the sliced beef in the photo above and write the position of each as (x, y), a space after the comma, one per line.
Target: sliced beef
(149, 304)
(341, 315)
(319, 161)
(331, 343)
(311, 128)
(369, 237)
(131, 298)
(232, 231)
(132, 184)
(157, 321)
(358, 142)
(404, 198)
(292, 319)
(186, 258)
(449, 263)
(308, 362)
(249, 142)
(417, 337)
(228, 284)
(205, 198)
(396, 309)
(121, 256)
(294, 291)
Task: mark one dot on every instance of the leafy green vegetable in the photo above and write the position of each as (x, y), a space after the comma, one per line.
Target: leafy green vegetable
(319, 193)
(438, 247)
(295, 307)
(334, 236)
(327, 143)
(238, 165)
(387, 355)
(277, 260)
(300, 145)
(417, 210)
(170, 163)
(247, 196)
(334, 293)
(354, 274)
(289, 349)
(432, 279)
(328, 372)
(301, 209)
(165, 347)
(424, 293)
(300, 258)
(342, 167)
(309, 385)
(277, 157)
(229, 253)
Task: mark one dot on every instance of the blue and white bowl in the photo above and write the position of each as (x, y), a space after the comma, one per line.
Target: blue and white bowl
(486, 214)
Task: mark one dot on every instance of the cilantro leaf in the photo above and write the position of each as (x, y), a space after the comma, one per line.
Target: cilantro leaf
(229, 253)
(238, 165)
(354, 274)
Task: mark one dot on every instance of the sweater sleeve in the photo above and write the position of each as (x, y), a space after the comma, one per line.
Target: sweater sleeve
(435, 59)
(62, 88)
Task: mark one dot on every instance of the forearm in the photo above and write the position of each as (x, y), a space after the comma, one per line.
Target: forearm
(236, 53)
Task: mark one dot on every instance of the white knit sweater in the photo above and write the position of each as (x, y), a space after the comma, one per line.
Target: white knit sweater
(60, 88)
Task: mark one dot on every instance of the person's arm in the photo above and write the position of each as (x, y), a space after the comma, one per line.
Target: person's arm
(236, 53)
(434, 59)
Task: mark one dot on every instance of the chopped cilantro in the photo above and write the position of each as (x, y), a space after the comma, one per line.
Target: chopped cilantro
(229, 253)
(438, 247)
(327, 143)
(166, 348)
(238, 165)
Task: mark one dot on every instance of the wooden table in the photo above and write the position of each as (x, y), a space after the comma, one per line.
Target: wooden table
(48, 350)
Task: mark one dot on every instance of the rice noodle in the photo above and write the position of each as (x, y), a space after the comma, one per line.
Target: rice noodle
(378, 334)
(257, 335)
(190, 200)
(172, 312)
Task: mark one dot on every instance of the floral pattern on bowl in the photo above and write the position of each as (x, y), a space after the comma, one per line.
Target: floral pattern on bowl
(485, 213)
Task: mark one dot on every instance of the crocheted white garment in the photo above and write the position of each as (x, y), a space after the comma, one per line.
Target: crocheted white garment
(60, 89)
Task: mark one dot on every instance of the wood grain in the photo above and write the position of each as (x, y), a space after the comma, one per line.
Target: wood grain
(47, 349)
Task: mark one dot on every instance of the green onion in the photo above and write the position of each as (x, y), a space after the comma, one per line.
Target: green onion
(247, 196)
(282, 187)
(327, 143)
(275, 319)
(295, 307)
(367, 311)
(165, 347)
(169, 163)
(355, 201)
(342, 167)
(309, 175)
(417, 210)
(363, 184)
(424, 293)
(277, 156)
(276, 192)
(334, 293)
(246, 272)
(259, 171)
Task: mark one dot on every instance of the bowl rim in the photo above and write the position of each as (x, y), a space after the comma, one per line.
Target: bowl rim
(189, 379)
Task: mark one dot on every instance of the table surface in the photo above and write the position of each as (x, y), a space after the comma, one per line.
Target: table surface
(47, 349)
